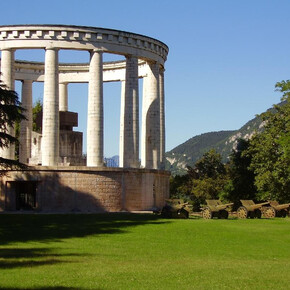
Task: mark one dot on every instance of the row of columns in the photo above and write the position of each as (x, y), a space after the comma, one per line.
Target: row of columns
(55, 98)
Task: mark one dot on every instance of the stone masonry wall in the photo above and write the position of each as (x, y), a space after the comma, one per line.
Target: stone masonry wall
(83, 189)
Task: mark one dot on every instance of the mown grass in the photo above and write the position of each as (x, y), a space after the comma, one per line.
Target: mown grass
(134, 251)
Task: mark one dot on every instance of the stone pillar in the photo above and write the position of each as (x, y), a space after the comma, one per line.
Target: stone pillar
(7, 77)
(63, 97)
(121, 144)
(162, 119)
(95, 125)
(50, 122)
(151, 119)
(143, 124)
(129, 123)
(26, 125)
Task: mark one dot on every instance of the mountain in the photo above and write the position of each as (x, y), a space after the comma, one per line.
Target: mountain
(222, 141)
(112, 161)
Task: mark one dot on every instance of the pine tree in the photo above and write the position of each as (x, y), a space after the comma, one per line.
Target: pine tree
(10, 112)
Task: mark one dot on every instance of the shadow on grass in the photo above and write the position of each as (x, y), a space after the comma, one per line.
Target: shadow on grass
(17, 228)
(46, 228)
(31, 257)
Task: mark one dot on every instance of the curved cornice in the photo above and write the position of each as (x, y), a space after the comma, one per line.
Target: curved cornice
(82, 38)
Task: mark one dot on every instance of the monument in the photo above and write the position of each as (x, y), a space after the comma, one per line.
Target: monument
(57, 178)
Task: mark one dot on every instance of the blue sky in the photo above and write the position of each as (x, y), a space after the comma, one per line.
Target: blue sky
(225, 57)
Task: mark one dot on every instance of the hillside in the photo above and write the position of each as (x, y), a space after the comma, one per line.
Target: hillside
(222, 141)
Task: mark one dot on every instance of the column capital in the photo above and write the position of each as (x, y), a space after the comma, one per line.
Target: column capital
(27, 81)
(51, 47)
(99, 50)
(8, 49)
(131, 56)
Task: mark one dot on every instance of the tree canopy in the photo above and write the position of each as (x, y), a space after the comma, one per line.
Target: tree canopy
(203, 181)
(10, 112)
(270, 150)
(241, 177)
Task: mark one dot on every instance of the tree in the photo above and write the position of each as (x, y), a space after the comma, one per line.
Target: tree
(179, 186)
(210, 165)
(205, 180)
(37, 108)
(270, 150)
(10, 112)
(208, 177)
(241, 184)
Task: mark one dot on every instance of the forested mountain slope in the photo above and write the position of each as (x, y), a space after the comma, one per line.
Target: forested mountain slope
(222, 141)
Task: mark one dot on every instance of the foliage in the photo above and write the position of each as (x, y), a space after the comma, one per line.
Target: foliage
(283, 87)
(178, 186)
(270, 151)
(204, 181)
(10, 112)
(241, 178)
(37, 108)
(208, 188)
(210, 165)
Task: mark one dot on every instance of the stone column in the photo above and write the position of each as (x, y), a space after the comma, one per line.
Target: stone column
(143, 124)
(129, 123)
(122, 113)
(7, 77)
(162, 119)
(50, 122)
(151, 119)
(63, 97)
(26, 125)
(95, 126)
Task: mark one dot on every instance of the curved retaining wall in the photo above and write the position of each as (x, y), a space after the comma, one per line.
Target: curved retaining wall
(87, 189)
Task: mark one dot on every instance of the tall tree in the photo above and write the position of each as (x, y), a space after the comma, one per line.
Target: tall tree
(10, 112)
(210, 165)
(205, 180)
(209, 177)
(241, 184)
(271, 150)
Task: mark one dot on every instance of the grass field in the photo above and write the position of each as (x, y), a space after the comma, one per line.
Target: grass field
(134, 251)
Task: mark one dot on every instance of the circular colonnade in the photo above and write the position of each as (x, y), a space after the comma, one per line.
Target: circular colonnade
(144, 58)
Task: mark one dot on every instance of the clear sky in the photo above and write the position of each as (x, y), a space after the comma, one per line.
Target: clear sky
(225, 57)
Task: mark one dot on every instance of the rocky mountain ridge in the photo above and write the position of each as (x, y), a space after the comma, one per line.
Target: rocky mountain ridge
(223, 142)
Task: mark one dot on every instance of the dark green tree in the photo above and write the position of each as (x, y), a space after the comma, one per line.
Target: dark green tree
(36, 110)
(209, 177)
(270, 150)
(241, 184)
(179, 186)
(10, 113)
(205, 180)
(210, 165)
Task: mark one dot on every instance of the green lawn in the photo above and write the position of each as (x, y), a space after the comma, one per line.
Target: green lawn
(134, 251)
